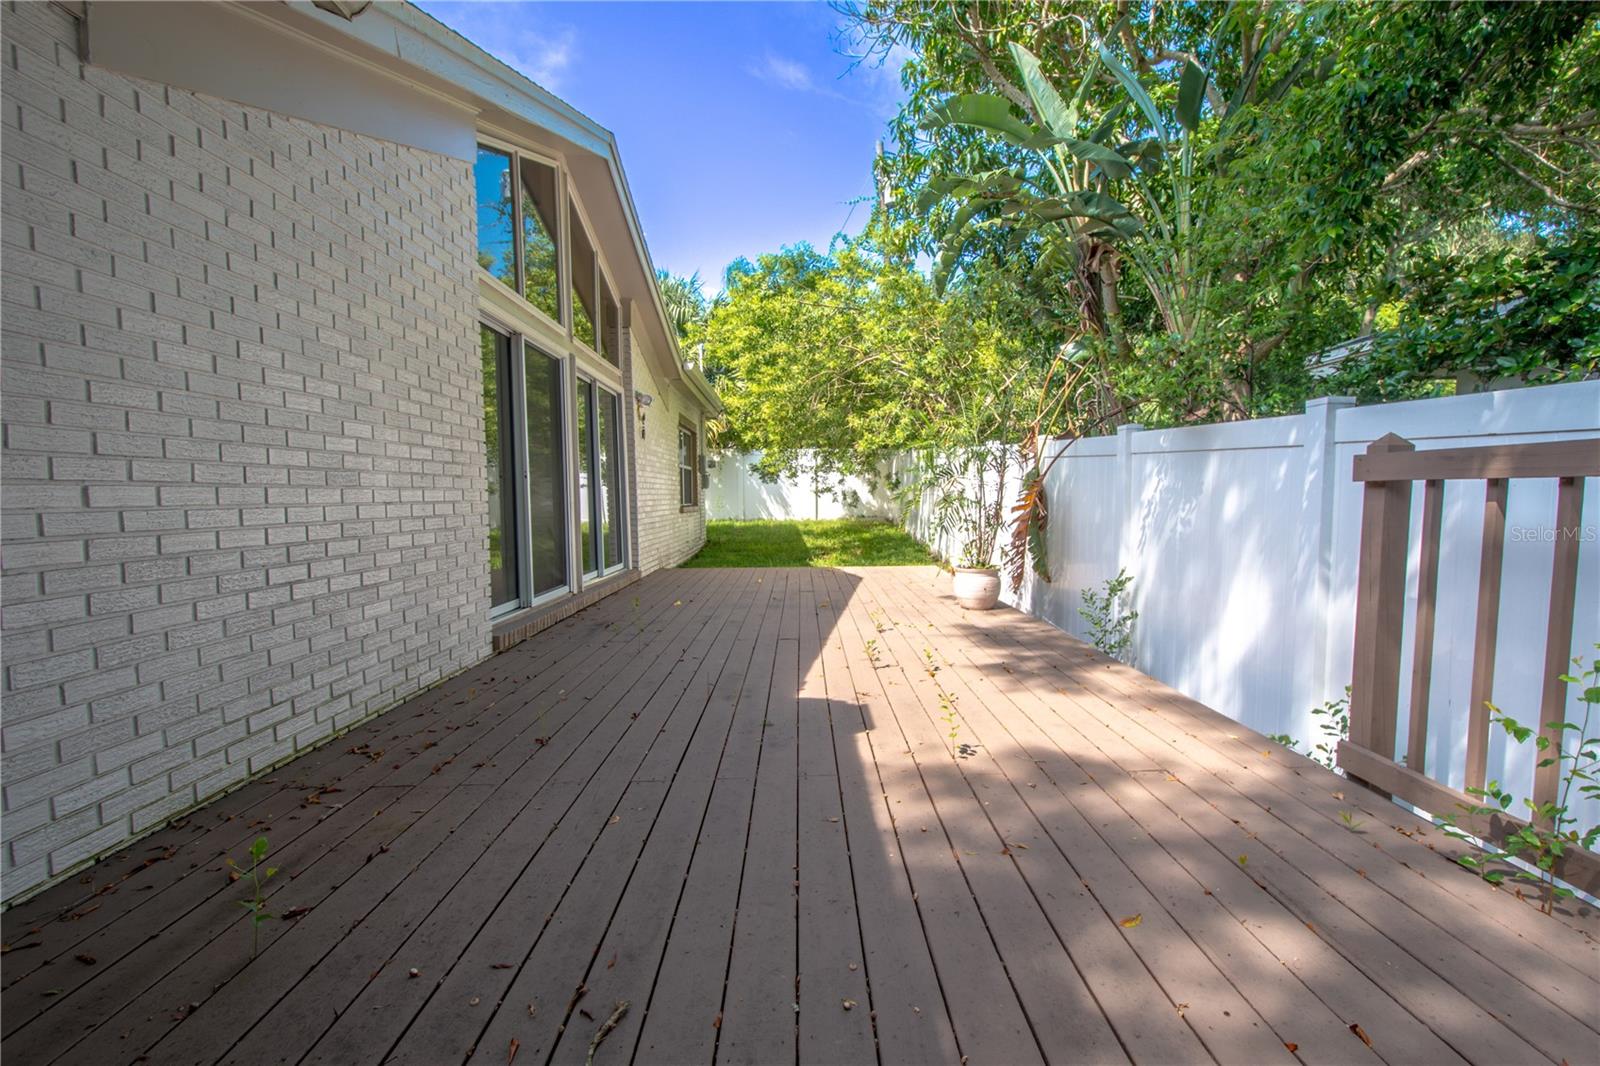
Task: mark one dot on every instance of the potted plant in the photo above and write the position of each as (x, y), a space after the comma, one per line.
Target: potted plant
(959, 496)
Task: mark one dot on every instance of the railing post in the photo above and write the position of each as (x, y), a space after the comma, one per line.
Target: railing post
(1380, 607)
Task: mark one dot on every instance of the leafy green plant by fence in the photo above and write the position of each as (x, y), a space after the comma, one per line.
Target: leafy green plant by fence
(1110, 617)
(1552, 829)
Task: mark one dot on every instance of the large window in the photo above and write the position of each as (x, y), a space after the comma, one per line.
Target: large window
(551, 386)
(501, 440)
(518, 236)
(688, 466)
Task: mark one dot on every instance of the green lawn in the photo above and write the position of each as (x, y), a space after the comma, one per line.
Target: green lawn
(838, 542)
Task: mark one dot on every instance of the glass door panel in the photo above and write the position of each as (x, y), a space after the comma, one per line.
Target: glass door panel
(610, 504)
(547, 506)
(501, 440)
(588, 512)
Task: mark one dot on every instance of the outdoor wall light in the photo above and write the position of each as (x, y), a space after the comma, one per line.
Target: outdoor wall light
(641, 400)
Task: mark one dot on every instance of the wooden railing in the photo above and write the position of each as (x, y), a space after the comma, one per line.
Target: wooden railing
(1388, 468)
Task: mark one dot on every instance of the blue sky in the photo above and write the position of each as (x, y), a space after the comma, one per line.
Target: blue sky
(743, 126)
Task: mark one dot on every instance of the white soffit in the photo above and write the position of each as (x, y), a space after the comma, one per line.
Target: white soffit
(240, 52)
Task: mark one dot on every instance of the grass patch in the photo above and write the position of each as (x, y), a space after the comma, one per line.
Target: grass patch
(837, 542)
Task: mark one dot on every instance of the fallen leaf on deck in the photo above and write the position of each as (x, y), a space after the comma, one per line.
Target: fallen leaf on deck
(500, 966)
(1131, 921)
(1291, 1046)
(512, 1054)
(87, 960)
(1244, 860)
(716, 1023)
(1362, 1033)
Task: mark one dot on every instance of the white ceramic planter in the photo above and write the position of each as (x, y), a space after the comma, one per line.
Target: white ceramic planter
(977, 590)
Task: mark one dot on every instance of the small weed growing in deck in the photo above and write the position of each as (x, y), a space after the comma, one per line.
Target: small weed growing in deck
(1334, 726)
(256, 904)
(872, 652)
(1351, 822)
(947, 714)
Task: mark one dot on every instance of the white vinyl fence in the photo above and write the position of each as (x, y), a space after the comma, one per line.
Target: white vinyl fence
(735, 492)
(1242, 540)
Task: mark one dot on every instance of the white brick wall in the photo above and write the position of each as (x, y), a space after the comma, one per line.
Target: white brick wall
(243, 471)
(666, 534)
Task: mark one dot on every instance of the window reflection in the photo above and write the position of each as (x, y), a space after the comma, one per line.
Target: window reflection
(496, 249)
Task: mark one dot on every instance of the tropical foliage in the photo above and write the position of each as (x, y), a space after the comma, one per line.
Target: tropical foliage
(1213, 193)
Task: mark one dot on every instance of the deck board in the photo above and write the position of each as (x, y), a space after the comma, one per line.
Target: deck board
(799, 816)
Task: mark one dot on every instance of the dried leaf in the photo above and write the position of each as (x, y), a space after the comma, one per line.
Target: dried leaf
(512, 1053)
(87, 960)
(1362, 1033)
(1291, 1046)
(1132, 921)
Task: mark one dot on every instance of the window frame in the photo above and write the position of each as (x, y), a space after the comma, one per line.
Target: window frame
(563, 245)
(693, 469)
(508, 312)
(519, 462)
(604, 290)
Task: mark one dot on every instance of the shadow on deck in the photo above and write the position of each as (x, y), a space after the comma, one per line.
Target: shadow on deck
(769, 815)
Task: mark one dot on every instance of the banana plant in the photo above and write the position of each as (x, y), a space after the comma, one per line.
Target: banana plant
(1063, 192)
(1082, 193)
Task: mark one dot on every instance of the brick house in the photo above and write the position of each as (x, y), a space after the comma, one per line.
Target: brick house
(333, 362)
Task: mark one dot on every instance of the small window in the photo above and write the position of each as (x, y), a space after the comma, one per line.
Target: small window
(610, 321)
(688, 466)
(583, 285)
(497, 254)
(540, 251)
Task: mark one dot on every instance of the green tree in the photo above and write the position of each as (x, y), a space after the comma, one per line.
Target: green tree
(1289, 164)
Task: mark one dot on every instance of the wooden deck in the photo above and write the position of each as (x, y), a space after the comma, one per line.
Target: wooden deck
(799, 815)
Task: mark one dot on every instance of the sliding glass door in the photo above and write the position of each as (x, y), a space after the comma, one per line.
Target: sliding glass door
(547, 473)
(599, 477)
(609, 432)
(555, 471)
(501, 438)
